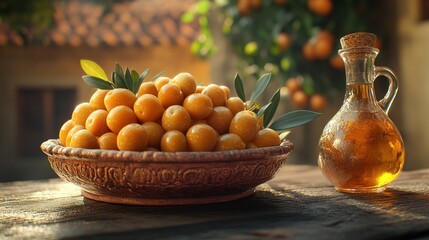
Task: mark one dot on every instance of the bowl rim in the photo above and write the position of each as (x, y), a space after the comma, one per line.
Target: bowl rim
(52, 147)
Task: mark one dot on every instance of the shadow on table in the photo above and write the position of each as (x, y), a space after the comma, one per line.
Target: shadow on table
(275, 213)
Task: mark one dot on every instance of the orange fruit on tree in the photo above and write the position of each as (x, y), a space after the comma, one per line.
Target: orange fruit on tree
(283, 41)
(336, 62)
(255, 4)
(318, 102)
(322, 48)
(320, 7)
(308, 51)
(293, 85)
(244, 7)
(299, 99)
(327, 35)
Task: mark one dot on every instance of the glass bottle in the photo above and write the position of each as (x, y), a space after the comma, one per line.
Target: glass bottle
(360, 149)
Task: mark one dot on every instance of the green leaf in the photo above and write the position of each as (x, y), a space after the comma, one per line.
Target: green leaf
(157, 75)
(97, 82)
(262, 110)
(135, 77)
(128, 79)
(93, 69)
(271, 110)
(144, 74)
(239, 89)
(261, 85)
(119, 78)
(119, 71)
(203, 7)
(293, 119)
(188, 17)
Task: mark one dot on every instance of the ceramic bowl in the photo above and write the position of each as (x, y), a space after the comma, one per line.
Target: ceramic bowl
(161, 178)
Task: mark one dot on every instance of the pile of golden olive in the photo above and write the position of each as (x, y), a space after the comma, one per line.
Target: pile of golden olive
(170, 115)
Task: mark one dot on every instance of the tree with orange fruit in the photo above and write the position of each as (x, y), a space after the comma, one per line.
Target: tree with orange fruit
(295, 40)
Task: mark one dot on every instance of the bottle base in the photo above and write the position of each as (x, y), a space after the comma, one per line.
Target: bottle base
(361, 190)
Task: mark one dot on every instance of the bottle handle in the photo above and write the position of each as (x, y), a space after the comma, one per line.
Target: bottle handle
(387, 100)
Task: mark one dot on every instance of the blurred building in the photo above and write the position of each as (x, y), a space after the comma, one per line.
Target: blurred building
(42, 83)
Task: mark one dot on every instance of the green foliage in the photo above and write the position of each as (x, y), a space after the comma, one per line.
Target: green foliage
(284, 122)
(239, 89)
(93, 69)
(96, 82)
(30, 19)
(130, 79)
(272, 108)
(293, 119)
(270, 36)
(261, 85)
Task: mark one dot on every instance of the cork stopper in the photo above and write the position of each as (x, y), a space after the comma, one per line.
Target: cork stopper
(359, 39)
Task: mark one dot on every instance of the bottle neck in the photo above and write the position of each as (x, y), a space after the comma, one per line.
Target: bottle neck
(359, 64)
(359, 67)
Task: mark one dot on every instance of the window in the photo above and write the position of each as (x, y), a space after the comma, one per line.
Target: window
(41, 112)
(424, 10)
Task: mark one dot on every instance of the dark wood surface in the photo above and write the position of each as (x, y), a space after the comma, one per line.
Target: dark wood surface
(297, 204)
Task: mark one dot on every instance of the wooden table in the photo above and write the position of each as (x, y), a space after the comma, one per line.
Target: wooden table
(298, 203)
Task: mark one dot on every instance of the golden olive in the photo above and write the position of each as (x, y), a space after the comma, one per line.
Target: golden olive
(199, 106)
(229, 141)
(81, 113)
(201, 137)
(64, 130)
(132, 137)
(176, 118)
(174, 141)
(148, 108)
(245, 124)
(84, 139)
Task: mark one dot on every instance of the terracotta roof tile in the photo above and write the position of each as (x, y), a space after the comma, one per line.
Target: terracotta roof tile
(131, 23)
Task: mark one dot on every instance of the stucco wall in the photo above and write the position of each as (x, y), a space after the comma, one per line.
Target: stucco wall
(59, 67)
